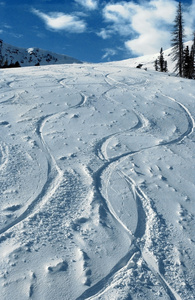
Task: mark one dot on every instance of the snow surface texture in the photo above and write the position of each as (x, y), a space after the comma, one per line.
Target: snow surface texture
(97, 183)
(32, 56)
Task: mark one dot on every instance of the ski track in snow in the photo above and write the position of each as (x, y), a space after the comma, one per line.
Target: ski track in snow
(4, 152)
(101, 146)
(54, 173)
(50, 186)
(145, 206)
(139, 198)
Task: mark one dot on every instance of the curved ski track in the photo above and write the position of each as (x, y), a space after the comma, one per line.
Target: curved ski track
(54, 176)
(54, 173)
(139, 197)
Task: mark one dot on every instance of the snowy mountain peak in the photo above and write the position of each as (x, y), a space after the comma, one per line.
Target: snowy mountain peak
(32, 56)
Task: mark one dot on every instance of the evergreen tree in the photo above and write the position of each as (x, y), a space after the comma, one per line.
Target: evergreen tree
(156, 65)
(161, 60)
(177, 41)
(191, 63)
(186, 63)
(1, 56)
(160, 64)
(165, 66)
(192, 57)
(17, 65)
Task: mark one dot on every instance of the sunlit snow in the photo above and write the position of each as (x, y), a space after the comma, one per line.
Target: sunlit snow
(97, 186)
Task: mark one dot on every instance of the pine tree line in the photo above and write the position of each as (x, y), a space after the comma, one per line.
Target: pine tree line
(183, 57)
(188, 63)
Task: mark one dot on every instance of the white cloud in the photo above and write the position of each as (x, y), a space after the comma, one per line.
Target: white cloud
(88, 4)
(60, 21)
(148, 23)
(109, 52)
(149, 43)
(105, 33)
(118, 12)
(189, 17)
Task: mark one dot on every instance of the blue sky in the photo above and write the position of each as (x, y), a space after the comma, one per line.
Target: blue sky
(93, 30)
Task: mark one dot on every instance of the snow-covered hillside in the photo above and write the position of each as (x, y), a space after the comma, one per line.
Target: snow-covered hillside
(97, 184)
(147, 61)
(31, 56)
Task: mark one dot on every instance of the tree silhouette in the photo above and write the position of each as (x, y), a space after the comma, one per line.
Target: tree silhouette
(160, 64)
(177, 41)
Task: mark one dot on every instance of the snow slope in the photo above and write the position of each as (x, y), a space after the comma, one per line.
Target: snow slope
(147, 61)
(97, 183)
(32, 56)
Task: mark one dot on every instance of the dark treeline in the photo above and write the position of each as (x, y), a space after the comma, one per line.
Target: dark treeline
(184, 57)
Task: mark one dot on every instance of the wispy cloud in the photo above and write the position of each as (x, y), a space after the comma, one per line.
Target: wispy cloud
(148, 23)
(16, 35)
(88, 4)
(108, 53)
(9, 30)
(59, 21)
(5, 25)
(105, 33)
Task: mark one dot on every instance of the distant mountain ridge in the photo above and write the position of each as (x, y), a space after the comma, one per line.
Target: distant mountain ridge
(31, 56)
